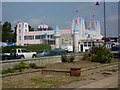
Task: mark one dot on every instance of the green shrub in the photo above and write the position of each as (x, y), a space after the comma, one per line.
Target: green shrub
(71, 58)
(37, 47)
(20, 70)
(5, 72)
(22, 65)
(94, 58)
(86, 56)
(98, 54)
(11, 70)
(33, 65)
(64, 58)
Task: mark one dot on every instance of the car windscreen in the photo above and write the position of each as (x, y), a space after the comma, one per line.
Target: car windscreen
(25, 51)
(41, 51)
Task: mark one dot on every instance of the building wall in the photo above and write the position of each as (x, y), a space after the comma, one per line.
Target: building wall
(38, 61)
(21, 29)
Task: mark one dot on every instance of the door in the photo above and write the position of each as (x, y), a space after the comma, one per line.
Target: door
(81, 47)
(29, 54)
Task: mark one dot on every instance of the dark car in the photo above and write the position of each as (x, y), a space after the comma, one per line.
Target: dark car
(42, 52)
(54, 53)
(116, 51)
(6, 57)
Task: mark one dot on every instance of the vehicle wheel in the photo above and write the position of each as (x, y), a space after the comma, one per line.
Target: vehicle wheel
(34, 56)
(22, 57)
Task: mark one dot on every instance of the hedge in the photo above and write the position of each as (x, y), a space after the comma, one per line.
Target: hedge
(33, 48)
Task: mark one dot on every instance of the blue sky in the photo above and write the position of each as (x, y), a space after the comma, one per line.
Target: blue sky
(60, 13)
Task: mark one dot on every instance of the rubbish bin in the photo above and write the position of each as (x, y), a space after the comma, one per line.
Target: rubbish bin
(75, 72)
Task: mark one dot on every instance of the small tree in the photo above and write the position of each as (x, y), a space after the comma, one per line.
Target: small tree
(98, 54)
(71, 58)
(66, 58)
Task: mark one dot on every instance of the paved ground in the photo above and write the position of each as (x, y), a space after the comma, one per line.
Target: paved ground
(96, 80)
(110, 82)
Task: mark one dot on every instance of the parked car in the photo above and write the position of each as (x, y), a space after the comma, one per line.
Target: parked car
(116, 51)
(6, 57)
(54, 53)
(42, 52)
(22, 53)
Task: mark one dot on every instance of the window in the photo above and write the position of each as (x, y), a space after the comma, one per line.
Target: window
(93, 44)
(51, 36)
(47, 36)
(19, 30)
(89, 43)
(18, 51)
(37, 37)
(28, 37)
(25, 25)
(19, 25)
(25, 51)
(85, 43)
(25, 30)
(19, 37)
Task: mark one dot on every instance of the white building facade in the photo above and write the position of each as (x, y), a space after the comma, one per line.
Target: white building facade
(60, 38)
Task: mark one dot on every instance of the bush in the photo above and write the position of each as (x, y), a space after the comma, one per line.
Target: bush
(71, 58)
(98, 54)
(9, 70)
(33, 65)
(64, 58)
(21, 66)
(33, 48)
(86, 56)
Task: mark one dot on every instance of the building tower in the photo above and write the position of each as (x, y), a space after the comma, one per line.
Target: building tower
(22, 28)
(57, 37)
(95, 26)
(81, 26)
(75, 37)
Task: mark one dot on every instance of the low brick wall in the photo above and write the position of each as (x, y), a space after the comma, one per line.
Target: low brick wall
(38, 61)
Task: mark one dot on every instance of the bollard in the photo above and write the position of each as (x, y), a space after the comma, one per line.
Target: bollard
(41, 68)
(75, 72)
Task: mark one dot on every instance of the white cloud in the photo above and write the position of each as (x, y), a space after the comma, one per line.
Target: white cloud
(34, 21)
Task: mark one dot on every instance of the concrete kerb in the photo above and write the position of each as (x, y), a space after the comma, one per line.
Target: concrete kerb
(62, 71)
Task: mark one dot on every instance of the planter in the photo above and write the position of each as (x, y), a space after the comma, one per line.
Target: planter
(75, 72)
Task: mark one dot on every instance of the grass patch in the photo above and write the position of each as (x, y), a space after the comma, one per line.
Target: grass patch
(38, 81)
(106, 73)
(92, 78)
(113, 70)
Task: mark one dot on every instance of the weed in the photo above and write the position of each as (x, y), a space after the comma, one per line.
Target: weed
(113, 70)
(106, 73)
(92, 78)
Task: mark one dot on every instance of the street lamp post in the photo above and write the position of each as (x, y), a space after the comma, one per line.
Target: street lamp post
(104, 22)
